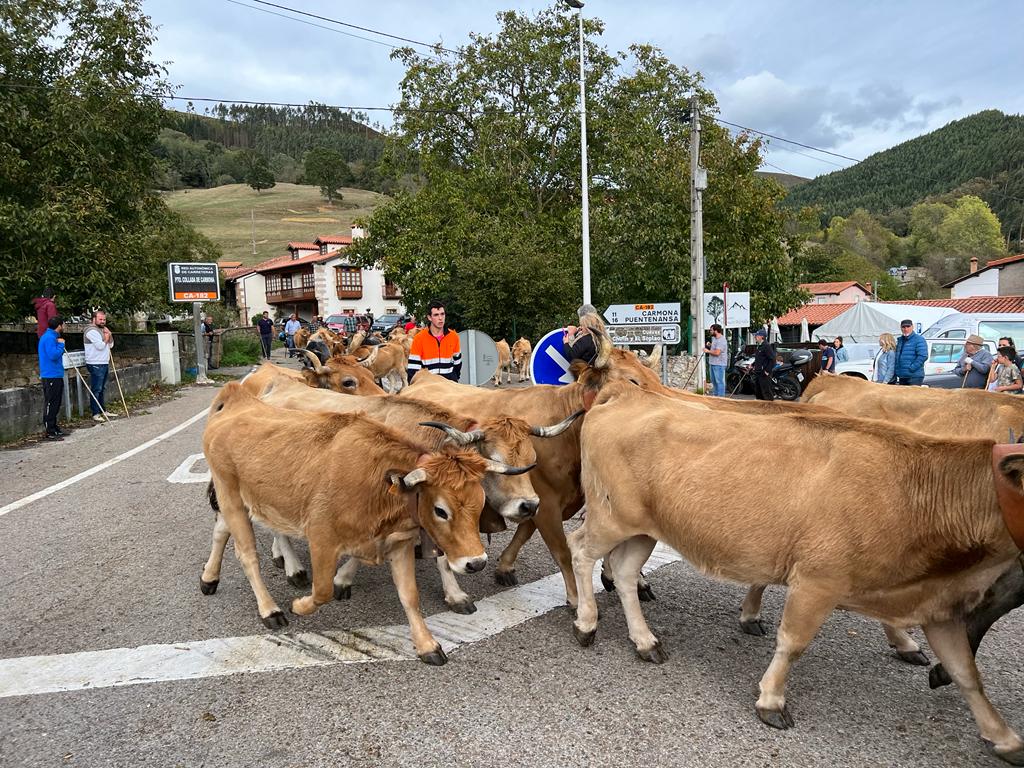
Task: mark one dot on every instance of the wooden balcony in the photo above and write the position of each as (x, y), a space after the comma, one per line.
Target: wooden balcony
(350, 293)
(289, 295)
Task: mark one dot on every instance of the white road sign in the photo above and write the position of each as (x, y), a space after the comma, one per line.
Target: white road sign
(735, 315)
(74, 359)
(644, 314)
(630, 335)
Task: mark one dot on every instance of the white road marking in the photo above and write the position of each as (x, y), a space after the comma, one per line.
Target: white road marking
(184, 473)
(33, 675)
(100, 467)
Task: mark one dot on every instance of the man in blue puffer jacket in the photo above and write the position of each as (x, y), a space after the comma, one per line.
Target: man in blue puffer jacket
(911, 352)
(51, 371)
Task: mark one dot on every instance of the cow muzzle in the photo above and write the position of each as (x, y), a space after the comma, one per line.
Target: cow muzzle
(520, 510)
(468, 564)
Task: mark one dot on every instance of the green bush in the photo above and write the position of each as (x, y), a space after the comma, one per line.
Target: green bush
(240, 349)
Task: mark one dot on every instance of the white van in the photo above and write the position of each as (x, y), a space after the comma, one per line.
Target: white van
(989, 325)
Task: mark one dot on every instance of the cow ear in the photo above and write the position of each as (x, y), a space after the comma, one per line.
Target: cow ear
(393, 477)
(1012, 468)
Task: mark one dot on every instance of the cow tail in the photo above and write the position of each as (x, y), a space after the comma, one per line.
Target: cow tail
(211, 494)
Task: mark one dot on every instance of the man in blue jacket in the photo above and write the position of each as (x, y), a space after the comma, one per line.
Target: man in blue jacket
(51, 371)
(911, 352)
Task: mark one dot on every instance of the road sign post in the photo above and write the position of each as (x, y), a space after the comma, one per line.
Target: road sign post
(479, 357)
(195, 282)
(642, 335)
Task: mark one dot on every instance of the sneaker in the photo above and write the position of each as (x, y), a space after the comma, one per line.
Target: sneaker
(54, 437)
(98, 417)
(110, 415)
(61, 433)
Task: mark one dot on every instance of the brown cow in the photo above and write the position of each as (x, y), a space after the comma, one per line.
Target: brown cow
(388, 363)
(504, 363)
(521, 352)
(374, 514)
(341, 373)
(909, 548)
(301, 337)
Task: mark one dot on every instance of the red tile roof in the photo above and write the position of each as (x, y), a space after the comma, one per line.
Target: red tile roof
(993, 263)
(223, 264)
(971, 304)
(1007, 260)
(334, 239)
(282, 262)
(819, 289)
(303, 247)
(816, 314)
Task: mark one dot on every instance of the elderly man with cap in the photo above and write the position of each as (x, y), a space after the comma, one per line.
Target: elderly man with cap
(764, 364)
(974, 363)
(911, 352)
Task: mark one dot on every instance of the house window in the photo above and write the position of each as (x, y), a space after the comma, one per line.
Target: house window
(391, 291)
(273, 284)
(349, 282)
(307, 281)
(286, 282)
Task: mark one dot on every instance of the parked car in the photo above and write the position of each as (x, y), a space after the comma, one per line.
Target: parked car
(343, 324)
(385, 323)
(943, 355)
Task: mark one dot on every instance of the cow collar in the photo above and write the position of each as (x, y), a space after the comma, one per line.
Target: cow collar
(1011, 502)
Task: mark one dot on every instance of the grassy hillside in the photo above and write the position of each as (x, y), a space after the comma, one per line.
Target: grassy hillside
(787, 180)
(285, 212)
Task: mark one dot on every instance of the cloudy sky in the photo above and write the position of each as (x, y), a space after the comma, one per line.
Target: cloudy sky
(850, 77)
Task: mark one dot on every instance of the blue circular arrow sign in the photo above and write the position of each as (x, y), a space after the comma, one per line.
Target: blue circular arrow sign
(548, 365)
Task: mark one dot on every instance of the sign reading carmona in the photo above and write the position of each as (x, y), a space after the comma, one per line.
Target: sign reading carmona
(643, 314)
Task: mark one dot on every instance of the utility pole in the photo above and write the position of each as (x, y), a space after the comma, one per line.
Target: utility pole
(698, 183)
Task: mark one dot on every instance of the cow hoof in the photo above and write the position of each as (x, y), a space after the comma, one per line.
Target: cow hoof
(1013, 757)
(436, 658)
(754, 627)
(279, 561)
(208, 587)
(299, 579)
(645, 593)
(655, 654)
(342, 592)
(916, 658)
(506, 578)
(276, 620)
(608, 584)
(464, 607)
(585, 639)
(776, 718)
(938, 677)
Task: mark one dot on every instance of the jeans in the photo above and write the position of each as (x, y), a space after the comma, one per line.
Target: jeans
(97, 383)
(912, 381)
(53, 393)
(265, 340)
(289, 341)
(717, 380)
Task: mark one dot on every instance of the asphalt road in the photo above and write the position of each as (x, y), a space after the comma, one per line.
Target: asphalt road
(113, 561)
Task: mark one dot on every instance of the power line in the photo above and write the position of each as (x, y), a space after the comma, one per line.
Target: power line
(788, 141)
(436, 47)
(314, 24)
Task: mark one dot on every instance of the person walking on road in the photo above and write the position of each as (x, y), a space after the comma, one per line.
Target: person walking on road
(911, 352)
(45, 309)
(51, 372)
(266, 326)
(828, 356)
(98, 342)
(208, 334)
(764, 364)
(842, 355)
(974, 363)
(436, 348)
(885, 368)
(292, 327)
(717, 351)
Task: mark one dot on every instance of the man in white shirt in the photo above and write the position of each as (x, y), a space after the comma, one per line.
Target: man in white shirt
(290, 329)
(98, 343)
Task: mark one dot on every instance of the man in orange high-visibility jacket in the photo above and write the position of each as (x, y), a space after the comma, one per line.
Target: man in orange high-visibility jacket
(436, 348)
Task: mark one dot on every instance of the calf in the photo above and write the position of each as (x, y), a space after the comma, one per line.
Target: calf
(521, 352)
(504, 363)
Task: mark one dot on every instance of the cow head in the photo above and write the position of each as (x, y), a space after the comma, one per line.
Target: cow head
(448, 502)
(340, 374)
(1008, 469)
(620, 365)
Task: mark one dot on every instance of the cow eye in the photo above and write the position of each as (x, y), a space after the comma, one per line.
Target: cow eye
(441, 513)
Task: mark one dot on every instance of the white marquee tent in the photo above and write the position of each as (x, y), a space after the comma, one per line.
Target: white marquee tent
(865, 321)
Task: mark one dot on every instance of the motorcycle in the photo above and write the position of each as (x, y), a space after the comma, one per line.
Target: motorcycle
(786, 377)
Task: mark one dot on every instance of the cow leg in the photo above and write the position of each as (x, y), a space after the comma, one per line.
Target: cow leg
(1001, 598)
(949, 641)
(211, 573)
(643, 587)
(802, 617)
(456, 599)
(587, 548)
(627, 559)
(238, 522)
(553, 533)
(282, 547)
(344, 579)
(505, 572)
(323, 557)
(750, 612)
(403, 573)
(905, 646)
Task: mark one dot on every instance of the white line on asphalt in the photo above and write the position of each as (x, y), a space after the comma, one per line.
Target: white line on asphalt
(184, 473)
(32, 675)
(100, 467)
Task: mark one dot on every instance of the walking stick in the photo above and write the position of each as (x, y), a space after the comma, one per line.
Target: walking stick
(699, 360)
(121, 391)
(739, 383)
(87, 389)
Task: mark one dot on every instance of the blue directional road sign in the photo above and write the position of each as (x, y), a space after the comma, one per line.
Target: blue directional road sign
(548, 364)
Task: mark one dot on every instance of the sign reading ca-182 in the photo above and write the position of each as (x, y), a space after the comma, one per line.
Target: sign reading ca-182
(644, 314)
(193, 281)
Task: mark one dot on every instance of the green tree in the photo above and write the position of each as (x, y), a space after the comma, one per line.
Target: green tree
(77, 212)
(945, 237)
(257, 171)
(327, 169)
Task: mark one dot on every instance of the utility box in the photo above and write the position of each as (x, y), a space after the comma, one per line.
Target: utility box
(170, 363)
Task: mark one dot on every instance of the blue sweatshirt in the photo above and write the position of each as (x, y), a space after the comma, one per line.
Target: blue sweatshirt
(51, 353)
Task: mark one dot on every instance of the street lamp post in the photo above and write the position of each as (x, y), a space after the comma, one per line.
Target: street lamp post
(584, 184)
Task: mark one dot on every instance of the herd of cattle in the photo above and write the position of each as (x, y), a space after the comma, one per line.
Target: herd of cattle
(904, 504)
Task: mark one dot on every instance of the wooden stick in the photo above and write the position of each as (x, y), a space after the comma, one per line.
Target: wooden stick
(121, 391)
(87, 389)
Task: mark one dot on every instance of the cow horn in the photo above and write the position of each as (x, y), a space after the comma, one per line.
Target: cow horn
(654, 359)
(457, 436)
(556, 429)
(414, 478)
(368, 361)
(500, 468)
(314, 360)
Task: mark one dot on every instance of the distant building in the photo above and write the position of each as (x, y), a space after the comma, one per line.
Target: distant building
(1000, 277)
(845, 292)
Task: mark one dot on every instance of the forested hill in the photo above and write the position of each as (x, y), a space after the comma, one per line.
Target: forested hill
(982, 154)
